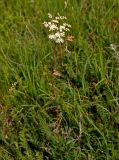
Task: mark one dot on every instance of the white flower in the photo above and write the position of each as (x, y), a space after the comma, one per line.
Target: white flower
(52, 36)
(57, 28)
(55, 21)
(62, 34)
(63, 17)
(49, 15)
(57, 34)
(53, 27)
(59, 40)
(49, 23)
(64, 24)
(56, 37)
(62, 28)
(57, 18)
(46, 24)
(67, 29)
(67, 25)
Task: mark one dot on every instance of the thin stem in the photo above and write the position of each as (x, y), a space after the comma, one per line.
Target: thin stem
(54, 56)
(60, 50)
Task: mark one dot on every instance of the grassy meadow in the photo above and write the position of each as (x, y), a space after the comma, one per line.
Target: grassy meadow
(74, 116)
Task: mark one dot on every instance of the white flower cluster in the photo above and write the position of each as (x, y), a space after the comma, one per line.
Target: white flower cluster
(13, 87)
(57, 28)
(116, 53)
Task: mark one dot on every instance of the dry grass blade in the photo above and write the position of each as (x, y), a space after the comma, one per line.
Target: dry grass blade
(56, 73)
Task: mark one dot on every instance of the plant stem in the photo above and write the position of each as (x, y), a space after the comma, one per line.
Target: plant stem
(60, 50)
(54, 54)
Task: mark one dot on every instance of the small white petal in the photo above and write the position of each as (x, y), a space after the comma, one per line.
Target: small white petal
(57, 18)
(52, 36)
(62, 34)
(45, 24)
(57, 34)
(55, 21)
(49, 23)
(62, 28)
(53, 27)
(67, 29)
(59, 40)
(49, 15)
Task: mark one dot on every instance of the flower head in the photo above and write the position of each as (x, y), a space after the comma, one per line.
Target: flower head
(57, 28)
(49, 15)
(53, 27)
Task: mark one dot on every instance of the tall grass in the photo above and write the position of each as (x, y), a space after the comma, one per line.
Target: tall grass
(72, 117)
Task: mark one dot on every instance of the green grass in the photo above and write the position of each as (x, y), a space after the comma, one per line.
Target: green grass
(72, 117)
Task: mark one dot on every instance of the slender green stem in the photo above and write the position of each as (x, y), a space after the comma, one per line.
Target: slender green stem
(60, 50)
(55, 56)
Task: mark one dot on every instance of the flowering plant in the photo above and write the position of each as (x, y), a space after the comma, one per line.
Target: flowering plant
(58, 31)
(57, 28)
